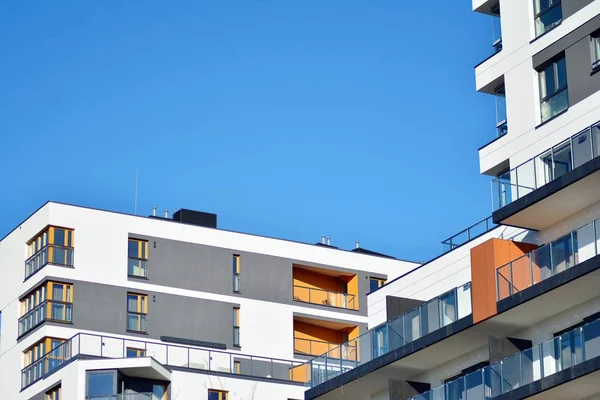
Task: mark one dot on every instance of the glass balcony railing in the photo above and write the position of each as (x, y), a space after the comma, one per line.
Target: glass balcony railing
(429, 317)
(564, 351)
(324, 297)
(137, 267)
(50, 254)
(57, 311)
(317, 347)
(90, 345)
(462, 237)
(125, 396)
(551, 164)
(548, 260)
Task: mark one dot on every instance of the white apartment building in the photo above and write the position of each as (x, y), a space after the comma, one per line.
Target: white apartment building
(511, 309)
(102, 305)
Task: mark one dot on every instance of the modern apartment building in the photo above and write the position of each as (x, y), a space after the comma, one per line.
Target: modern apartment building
(103, 305)
(511, 309)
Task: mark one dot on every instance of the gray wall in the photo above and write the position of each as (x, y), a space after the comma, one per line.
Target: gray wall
(209, 269)
(396, 306)
(104, 308)
(570, 7)
(576, 46)
(402, 390)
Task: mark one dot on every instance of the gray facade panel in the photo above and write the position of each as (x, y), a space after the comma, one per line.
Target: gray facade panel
(570, 7)
(210, 269)
(104, 308)
(578, 54)
(396, 306)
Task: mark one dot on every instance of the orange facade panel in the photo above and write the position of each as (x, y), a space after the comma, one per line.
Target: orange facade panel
(485, 259)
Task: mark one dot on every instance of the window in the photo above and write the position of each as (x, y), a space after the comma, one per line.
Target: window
(54, 352)
(52, 246)
(101, 384)
(548, 14)
(50, 301)
(137, 309)
(553, 88)
(217, 394)
(53, 394)
(375, 283)
(236, 326)
(137, 253)
(595, 41)
(135, 353)
(237, 367)
(236, 273)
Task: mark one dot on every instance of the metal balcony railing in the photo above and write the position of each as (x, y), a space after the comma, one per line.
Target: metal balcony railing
(427, 318)
(84, 344)
(564, 351)
(49, 254)
(462, 237)
(324, 297)
(317, 347)
(125, 396)
(49, 310)
(548, 260)
(545, 167)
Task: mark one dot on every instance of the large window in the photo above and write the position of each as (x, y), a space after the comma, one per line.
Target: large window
(137, 309)
(50, 301)
(101, 384)
(236, 326)
(553, 88)
(217, 394)
(236, 273)
(44, 357)
(595, 42)
(52, 246)
(138, 258)
(53, 394)
(135, 353)
(548, 14)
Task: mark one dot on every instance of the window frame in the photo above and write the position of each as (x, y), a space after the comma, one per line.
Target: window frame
(222, 394)
(139, 353)
(141, 257)
(380, 282)
(537, 15)
(141, 310)
(553, 62)
(595, 50)
(236, 326)
(237, 267)
(54, 393)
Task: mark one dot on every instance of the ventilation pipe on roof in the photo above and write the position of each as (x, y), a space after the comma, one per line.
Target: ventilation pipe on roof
(154, 211)
(166, 213)
(328, 241)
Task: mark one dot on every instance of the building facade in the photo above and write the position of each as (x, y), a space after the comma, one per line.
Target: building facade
(511, 309)
(102, 305)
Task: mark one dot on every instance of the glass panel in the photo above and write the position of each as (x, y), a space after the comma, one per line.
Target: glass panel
(555, 105)
(548, 20)
(521, 273)
(591, 337)
(412, 329)
(550, 357)
(530, 365)
(562, 159)
(396, 333)
(565, 342)
(561, 68)
(511, 373)
(133, 249)
(526, 178)
(448, 308)
(132, 303)
(504, 282)
(101, 384)
(59, 237)
(494, 379)
(542, 267)
(561, 254)
(596, 139)
(582, 148)
(474, 387)
(57, 292)
(455, 390)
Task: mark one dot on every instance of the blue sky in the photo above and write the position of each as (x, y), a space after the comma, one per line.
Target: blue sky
(287, 118)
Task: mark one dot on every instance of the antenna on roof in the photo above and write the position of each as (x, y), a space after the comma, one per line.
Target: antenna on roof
(136, 193)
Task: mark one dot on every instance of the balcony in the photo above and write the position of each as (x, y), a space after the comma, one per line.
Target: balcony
(462, 237)
(49, 310)
(325, 287)
(317, 347)
(50, 254)
(575, 353)
(551, 186)
(97, 346)
(405, 329)
(324, 297)
(548, 260)
(313, 337)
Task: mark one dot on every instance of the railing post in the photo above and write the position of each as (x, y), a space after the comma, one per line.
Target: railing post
(511, 279)
(188, 358)
(251, 374)
(210, 359)
(531, 270)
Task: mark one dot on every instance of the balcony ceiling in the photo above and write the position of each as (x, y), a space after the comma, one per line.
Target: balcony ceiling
(323, 323)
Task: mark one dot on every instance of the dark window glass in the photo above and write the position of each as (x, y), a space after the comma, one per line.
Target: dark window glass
(374, 285)
(133, 249)
(100, 384)
(59, 237)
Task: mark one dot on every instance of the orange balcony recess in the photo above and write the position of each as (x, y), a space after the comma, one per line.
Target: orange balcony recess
(325, 287)
(316, 337)
(485, 260)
